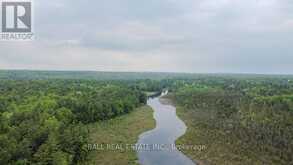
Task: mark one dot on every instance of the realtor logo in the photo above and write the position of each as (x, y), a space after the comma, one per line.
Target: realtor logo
(16, 20)
(16, 17)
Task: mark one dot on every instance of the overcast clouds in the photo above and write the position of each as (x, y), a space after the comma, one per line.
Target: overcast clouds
(244, 36)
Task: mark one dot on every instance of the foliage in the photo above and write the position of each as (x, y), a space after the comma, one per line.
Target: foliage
(254, 115)
(44, 121)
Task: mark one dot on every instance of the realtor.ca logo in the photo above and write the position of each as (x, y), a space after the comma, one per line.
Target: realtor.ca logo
(16, 20)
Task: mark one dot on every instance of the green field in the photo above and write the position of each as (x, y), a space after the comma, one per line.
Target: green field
(121, 131)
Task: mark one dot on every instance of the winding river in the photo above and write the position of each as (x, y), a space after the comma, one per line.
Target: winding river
(157, 146)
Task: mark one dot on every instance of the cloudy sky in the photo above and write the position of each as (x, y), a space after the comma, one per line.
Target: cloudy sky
(231, 36)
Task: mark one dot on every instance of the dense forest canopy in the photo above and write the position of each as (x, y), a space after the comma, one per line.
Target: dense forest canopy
(44, 121)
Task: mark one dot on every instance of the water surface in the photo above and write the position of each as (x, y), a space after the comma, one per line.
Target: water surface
(156, 147)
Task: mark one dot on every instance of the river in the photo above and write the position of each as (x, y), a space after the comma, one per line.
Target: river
(157, 146)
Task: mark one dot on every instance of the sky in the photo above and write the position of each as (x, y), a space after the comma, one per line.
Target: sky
(197, 36)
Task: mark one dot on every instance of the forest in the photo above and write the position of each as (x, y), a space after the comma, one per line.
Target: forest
(44, 121)
(246, 120)
(44, 116)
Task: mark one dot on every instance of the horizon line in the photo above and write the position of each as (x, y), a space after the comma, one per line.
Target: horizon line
(164, 72)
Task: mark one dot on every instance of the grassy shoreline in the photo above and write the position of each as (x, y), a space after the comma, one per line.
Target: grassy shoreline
(216, 150)
(121, 130)
(220, 149)
(218, 146)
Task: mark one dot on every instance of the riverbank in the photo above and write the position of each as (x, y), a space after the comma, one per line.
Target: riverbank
(185, 139)
(217, 149)
(160, 141)
(121, 130)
